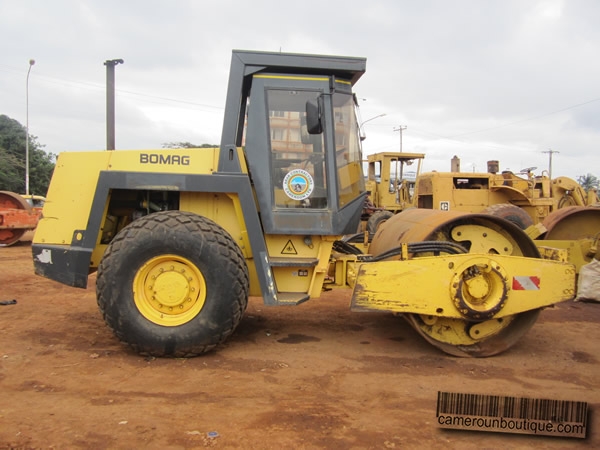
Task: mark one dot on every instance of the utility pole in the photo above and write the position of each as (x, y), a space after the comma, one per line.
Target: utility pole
(110, 102)
(401, 168)
(550, 153)
(400, 129)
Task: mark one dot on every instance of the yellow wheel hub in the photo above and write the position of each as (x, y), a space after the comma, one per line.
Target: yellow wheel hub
(479, 288)
(169, 290)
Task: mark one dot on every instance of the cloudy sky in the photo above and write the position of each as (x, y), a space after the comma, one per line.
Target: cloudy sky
(506, 80)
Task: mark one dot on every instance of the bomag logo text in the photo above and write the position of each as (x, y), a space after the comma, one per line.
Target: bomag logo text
(153, 158)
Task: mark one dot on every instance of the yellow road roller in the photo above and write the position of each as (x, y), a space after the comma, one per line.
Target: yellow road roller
(180, 238)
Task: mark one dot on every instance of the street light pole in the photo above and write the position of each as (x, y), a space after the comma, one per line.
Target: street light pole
(400, 128)
(31, 63)
(360, 127)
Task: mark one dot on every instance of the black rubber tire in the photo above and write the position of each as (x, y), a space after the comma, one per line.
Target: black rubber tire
(512, 213)
(376, 219)
(200, 240)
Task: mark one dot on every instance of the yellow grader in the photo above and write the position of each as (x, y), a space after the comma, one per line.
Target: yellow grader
(19, 214)
(390, 186)
(181, 238)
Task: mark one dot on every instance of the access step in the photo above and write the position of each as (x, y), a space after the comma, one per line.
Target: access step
(291, 298)
(292, 262)
(285, 264)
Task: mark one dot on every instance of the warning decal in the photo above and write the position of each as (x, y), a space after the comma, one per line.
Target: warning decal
(289, 249)
(526, 283)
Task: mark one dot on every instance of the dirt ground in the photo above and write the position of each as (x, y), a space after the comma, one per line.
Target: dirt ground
(305, 377)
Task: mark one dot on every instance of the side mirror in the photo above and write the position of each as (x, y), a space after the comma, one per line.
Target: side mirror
(313, 116)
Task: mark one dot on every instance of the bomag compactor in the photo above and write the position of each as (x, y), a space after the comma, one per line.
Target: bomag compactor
(181, 238)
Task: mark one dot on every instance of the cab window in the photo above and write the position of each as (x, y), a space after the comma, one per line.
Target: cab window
(297, 158)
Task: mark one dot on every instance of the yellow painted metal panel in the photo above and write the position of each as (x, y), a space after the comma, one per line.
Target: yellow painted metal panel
(70, 196)
(76, 175)
(311, 253)
(196, 161)
(577, 251)
(428, 285)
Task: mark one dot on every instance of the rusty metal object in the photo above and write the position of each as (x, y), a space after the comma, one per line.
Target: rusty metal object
(417, 225)
(16, 217)
(573, 223)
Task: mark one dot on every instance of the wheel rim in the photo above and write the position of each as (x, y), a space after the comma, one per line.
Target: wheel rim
(456, 331)
(169, 290)
(476, 339)
(10, 236)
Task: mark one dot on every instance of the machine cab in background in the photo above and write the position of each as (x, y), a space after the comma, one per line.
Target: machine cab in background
(303, 152)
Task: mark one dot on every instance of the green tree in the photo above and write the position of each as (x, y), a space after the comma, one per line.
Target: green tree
(588, 181)
(10, 172)
(12, 160)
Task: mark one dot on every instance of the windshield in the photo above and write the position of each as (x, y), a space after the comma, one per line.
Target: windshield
(351, 182)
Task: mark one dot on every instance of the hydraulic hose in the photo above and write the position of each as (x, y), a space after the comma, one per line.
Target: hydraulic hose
(435, 247)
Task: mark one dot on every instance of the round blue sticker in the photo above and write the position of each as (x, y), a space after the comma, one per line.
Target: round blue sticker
(298, 184)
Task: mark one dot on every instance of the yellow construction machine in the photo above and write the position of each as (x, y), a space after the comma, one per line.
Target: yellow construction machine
(556, 212)
(181, 238)
(535, 196)
(391, 180)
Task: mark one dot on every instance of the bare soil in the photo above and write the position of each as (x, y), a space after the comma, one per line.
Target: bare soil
(305, 377)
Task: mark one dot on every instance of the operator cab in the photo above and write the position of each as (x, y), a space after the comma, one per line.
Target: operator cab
(302, 143)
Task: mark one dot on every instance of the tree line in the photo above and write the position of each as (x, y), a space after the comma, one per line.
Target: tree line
(13, 161)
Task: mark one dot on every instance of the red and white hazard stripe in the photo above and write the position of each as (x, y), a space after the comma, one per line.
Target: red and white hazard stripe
(526, 283)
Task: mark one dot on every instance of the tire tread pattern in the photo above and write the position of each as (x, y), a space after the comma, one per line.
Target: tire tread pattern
(510, 212)
(206, 233)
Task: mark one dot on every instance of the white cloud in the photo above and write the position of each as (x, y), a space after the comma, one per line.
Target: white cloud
(501, 80)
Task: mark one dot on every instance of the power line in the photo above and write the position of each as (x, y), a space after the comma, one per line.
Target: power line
(510, 123)
(100, 87)
(528, 119)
